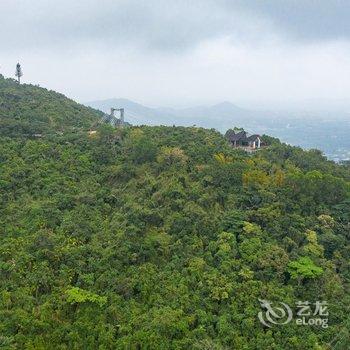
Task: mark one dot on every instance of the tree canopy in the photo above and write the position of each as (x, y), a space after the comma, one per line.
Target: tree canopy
(161, 237)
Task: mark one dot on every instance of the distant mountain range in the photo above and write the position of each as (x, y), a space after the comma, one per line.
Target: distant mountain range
(323, 130)
(220, 116)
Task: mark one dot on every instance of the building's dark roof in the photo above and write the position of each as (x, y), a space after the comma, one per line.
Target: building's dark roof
(229, 133)
(252, 137)
(242, 135)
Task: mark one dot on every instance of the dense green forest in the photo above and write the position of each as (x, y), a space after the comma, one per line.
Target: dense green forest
(27, 110)
(161, 237)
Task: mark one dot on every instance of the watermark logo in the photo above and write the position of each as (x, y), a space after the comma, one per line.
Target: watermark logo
(274, 314)
(279, 313)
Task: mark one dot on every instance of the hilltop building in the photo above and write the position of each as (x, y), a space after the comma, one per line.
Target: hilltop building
(241, 139)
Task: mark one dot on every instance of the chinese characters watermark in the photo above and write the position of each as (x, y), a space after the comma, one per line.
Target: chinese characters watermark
(307, 314)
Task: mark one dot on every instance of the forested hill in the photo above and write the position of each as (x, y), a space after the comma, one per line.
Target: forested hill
(27, 110)
(164, 237)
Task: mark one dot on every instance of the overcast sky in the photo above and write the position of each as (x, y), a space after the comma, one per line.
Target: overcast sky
(178, 53)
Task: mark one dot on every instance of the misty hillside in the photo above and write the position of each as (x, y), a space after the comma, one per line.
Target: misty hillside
(326, 131)
(219, 116)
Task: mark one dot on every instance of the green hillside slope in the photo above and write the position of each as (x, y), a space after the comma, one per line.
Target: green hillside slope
(26, 110)
(165, 238)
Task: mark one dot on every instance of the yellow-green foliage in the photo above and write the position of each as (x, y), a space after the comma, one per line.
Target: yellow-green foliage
(154, 238)
(77, 295)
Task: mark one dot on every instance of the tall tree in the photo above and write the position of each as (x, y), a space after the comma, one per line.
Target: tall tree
(19, 72)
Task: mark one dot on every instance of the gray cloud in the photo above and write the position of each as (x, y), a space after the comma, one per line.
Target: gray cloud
(306, 20)
(142, 23)
(166, 25)
(192, 51)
